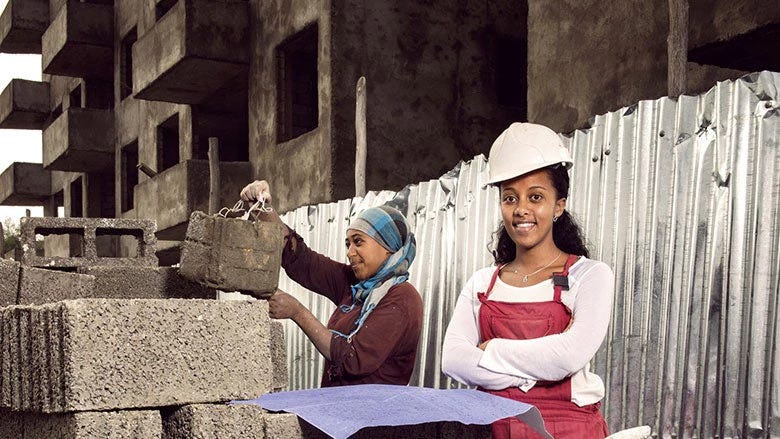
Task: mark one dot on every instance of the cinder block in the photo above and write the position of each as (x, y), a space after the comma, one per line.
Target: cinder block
(288, 425)
(38, 286)
(105, 354)
(144, 283)
(89, 228)
(10, 424)
(278, 355)
(9, 282)
(5, 353)
(127, 424)
(232, 254)
(208, 421)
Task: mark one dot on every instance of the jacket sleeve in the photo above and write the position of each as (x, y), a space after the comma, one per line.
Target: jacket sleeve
(554, 357)
(460, 354)
(314, 271)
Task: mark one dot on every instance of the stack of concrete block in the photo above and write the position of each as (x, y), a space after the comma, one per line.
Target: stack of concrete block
(72, 368)
(232, 254)
(42, 279)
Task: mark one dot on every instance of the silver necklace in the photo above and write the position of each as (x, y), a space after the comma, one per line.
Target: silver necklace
(526, 276)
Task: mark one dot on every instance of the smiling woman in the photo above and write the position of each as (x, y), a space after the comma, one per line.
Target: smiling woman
(528, 327)
(372, 336)
(18, 145)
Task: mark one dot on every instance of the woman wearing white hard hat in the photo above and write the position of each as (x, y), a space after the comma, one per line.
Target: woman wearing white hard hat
(527, 327)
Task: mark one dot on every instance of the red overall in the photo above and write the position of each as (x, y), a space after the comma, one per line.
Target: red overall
(527, 320)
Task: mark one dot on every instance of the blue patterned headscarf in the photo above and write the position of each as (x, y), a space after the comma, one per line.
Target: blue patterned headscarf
(389, 228)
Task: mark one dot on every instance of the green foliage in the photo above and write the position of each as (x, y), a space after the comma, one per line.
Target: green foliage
(10, 234)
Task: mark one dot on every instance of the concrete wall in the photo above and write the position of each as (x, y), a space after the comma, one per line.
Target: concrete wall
(587, 57)
(430, 69)
(301, 170)
(718, 20)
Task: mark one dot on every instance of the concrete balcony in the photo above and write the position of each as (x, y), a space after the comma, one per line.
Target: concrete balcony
(80, 140)
(172, 195)
(22, 25)
(24, 184)
(192, 51)
(79, 41)
(24, 105)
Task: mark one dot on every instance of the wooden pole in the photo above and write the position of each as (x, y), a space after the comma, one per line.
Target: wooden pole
(213, 175)
(360, 137)
(677, 47)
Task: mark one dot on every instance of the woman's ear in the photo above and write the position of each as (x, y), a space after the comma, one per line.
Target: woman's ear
(560, 206)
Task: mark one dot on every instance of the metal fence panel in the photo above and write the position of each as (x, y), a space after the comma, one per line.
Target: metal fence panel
(680, 197)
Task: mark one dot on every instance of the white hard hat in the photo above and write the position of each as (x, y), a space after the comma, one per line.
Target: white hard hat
(525, 147)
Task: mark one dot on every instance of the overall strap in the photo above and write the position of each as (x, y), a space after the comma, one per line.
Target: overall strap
(493, 280)
(561, 280)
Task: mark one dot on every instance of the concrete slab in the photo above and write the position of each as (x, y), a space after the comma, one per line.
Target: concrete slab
(78, 42)
(24, 105)
(22, 25)
(105, 354)
(186, 68)
(80, 140)
(126, 424)
(24, 184)
(231, 254)
(39, 285)
(9, 282)
(144, 283)
(206, 421)
(88, 228)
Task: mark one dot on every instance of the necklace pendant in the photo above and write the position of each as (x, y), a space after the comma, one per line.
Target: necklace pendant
(525, 279)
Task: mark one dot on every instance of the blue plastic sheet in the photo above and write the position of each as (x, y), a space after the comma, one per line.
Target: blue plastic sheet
(377, 405)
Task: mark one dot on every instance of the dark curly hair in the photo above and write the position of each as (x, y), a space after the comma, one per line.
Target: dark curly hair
(567, 235)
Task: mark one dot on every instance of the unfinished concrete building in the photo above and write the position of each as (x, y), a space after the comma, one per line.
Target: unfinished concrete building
(133, 90)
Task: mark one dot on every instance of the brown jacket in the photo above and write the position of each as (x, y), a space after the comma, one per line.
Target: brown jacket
(385, 348)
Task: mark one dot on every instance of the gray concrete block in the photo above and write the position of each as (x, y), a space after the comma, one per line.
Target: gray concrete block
(151, 353)
(211, 421)
(5, 357)
(127, 424)
(278, 355)
(10, 424)
(9, 282)
(145, 283)
(38, 286)
(89, 228)
(232, 254)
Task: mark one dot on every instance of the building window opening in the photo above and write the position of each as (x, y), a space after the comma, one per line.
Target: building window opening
(76, 100)
(511, 66)
(129, 177)
(58, 204)
(76, 199)
(162, 8)
(168, 143)
(297, 109)
(126, 64)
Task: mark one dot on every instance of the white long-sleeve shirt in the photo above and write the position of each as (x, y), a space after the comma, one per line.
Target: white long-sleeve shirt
(520, 363)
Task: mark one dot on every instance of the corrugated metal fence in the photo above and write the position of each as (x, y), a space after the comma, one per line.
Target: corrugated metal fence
(680, 197)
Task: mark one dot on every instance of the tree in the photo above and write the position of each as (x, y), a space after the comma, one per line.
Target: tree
(10, 234)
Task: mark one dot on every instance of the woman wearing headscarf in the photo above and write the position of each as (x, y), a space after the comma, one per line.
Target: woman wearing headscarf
(372, 336)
